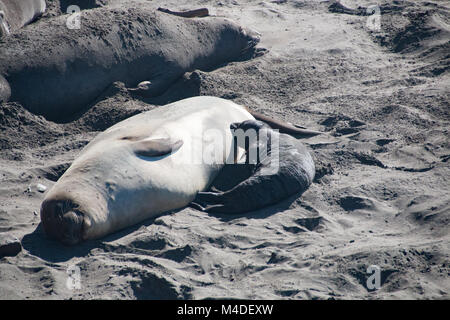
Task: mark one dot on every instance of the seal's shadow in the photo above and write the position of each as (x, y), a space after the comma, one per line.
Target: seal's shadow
(260, 213)
(39, 245)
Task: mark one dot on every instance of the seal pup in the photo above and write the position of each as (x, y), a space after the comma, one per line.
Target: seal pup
(294, 174)
(14, 14)
(130, 45)
(141, 167)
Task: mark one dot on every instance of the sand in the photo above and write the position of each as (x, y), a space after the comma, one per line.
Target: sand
(381, 194)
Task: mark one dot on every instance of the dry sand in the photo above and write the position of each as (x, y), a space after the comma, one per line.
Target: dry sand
(381, 195)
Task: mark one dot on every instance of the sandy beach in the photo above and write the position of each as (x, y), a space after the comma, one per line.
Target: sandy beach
(379, 90)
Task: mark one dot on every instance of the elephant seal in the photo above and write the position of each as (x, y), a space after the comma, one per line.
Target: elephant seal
(151, 163)
(14, 14)
(262, 188)
(130, 45)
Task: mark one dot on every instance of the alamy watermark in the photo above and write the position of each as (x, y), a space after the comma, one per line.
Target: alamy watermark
(214, 147)
(73, 22)
(373, 22)
(73, 281)
(374, 281)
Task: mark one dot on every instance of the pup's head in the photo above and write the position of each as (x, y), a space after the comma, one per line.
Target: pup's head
(254, 137)
(249, 124)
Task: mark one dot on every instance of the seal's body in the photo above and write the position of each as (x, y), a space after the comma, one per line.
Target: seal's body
(266, 184)
(14, 14)
(141, 167)
(112, 44)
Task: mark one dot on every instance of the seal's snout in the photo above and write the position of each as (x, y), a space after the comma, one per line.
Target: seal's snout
(61, 221)
(251, 37)
(254, 36)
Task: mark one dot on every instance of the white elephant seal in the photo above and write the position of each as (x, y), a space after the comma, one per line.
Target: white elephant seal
(139, 168)
(14, 14)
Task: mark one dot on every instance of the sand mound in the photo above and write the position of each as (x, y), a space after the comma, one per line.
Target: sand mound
(22, 129)
(411, 28)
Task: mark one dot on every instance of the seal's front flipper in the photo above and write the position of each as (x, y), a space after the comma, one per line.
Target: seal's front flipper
(145, 89)
(207, 201)
(155, 86)
(156, 147)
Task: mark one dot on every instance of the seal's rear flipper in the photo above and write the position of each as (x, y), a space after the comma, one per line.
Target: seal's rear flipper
(283, 126)
(156, 147)
(208, 201)
(202, 12)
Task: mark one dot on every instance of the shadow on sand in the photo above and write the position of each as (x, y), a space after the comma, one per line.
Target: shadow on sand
(260, 213)
(39, 245)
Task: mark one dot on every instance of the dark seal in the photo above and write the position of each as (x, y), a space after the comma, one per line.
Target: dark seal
(130, 45)
(276, 167)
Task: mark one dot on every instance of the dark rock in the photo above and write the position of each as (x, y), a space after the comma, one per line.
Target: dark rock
(9, 245)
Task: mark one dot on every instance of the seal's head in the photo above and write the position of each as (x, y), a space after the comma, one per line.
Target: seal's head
(62, 220)
(229, 42)
(250, 38)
